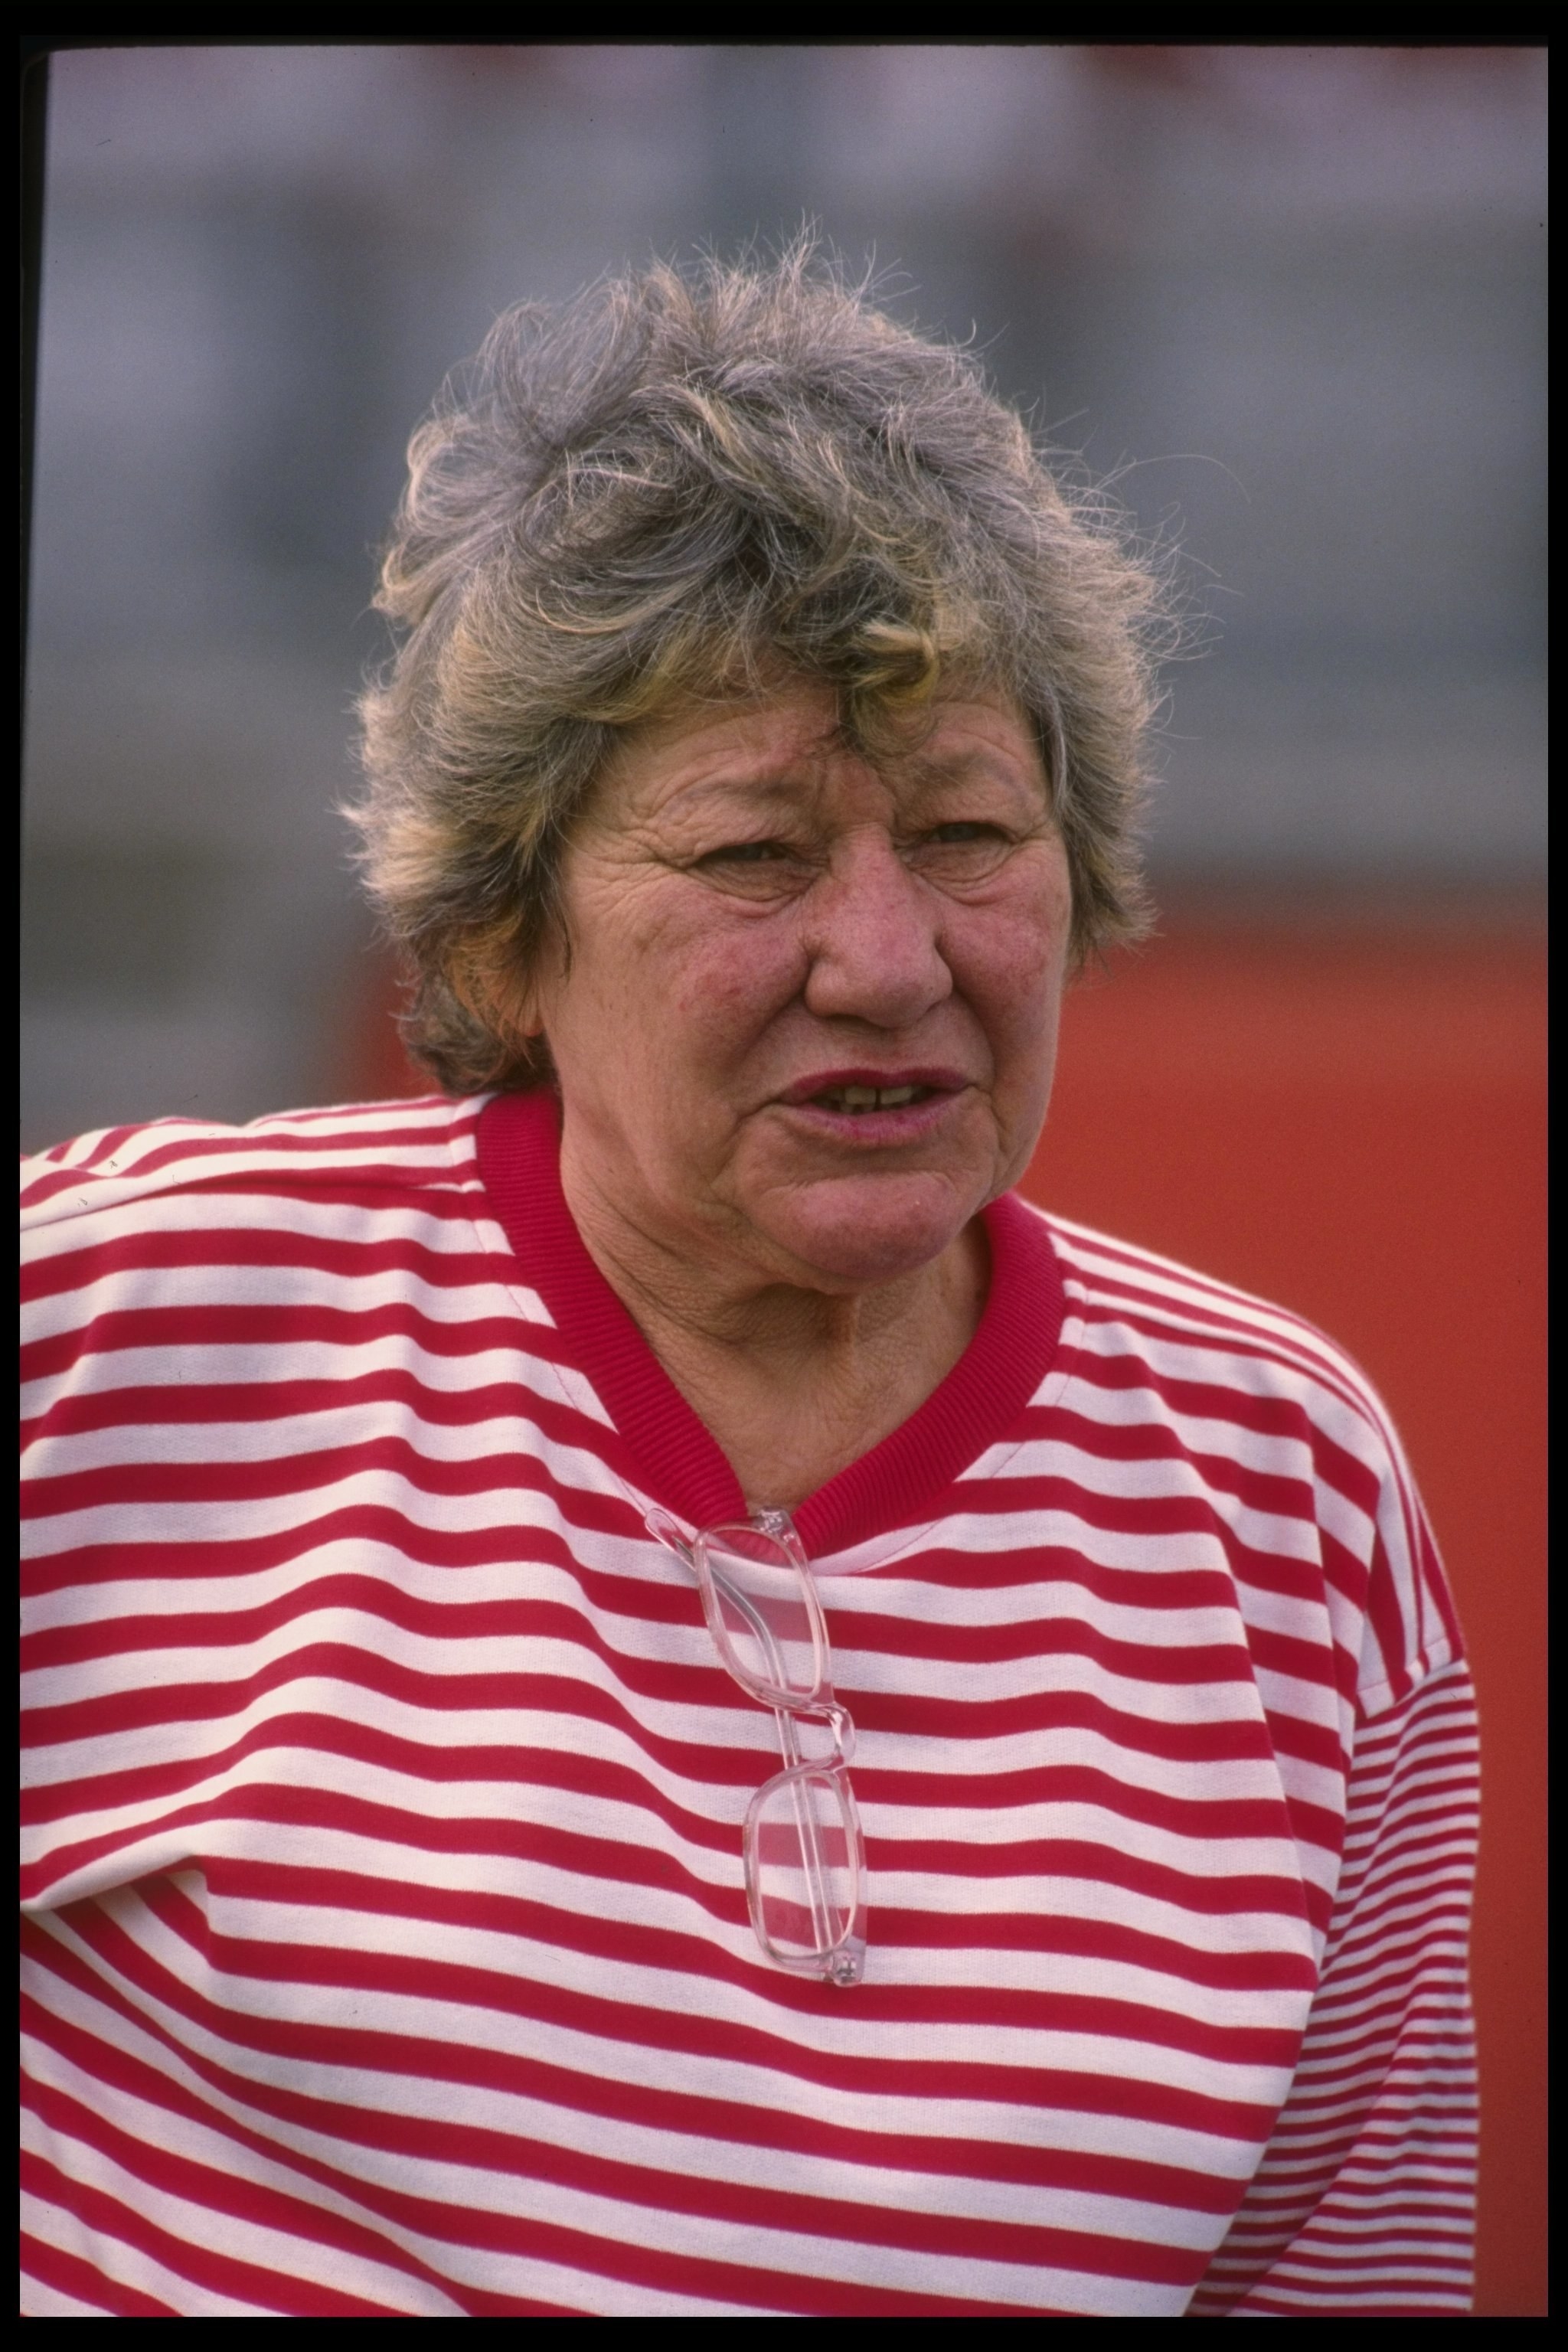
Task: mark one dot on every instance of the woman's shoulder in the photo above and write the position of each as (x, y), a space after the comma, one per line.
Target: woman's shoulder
(1191, 1328)
(119, 1173)
(1283, 1426)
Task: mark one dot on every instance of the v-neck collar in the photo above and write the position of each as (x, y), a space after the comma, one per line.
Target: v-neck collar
(518, 1146)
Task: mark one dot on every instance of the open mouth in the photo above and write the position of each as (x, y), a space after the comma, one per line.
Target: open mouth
(857, 1100)
(900, 1104)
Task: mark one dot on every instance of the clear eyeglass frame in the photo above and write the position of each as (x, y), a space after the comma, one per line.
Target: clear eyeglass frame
(803, 1846)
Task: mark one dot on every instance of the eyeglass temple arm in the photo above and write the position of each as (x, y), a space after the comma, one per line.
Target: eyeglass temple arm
(777, 1524)
(744, 1607)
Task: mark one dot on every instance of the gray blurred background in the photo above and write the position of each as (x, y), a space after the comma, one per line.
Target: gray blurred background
(1292, 298)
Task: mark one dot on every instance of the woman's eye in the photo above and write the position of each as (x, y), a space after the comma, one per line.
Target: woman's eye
(746, 853)
(755, 868)
(966, 850)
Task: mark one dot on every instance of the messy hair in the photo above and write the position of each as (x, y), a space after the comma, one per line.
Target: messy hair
(687, 484)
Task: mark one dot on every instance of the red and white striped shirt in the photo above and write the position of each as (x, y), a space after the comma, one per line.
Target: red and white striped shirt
(387, 1949)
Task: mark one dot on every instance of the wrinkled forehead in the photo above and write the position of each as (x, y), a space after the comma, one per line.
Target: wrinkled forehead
(792, 748)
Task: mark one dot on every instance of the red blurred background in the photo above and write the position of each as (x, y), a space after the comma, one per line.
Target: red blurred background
(1343, 1108)
(1347, 1113)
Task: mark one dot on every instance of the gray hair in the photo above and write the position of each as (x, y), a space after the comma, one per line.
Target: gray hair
(683, 485)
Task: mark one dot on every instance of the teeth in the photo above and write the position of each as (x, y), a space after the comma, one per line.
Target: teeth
(858, 1099)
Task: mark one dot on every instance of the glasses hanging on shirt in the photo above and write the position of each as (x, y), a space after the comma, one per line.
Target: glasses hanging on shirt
(804, 1850)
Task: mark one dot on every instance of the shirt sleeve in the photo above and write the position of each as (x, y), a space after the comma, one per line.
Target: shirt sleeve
(1364, 2202)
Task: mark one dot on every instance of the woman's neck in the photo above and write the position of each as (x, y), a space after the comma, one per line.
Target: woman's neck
(792, 1384)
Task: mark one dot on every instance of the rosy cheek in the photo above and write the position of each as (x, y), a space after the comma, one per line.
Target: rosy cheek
(732, 982)
(1014, 959)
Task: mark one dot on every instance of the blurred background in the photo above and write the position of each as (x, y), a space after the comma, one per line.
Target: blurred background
(1291, 298)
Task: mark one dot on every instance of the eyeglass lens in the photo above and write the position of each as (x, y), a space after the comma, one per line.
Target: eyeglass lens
(771, 1640)
(804, 1872)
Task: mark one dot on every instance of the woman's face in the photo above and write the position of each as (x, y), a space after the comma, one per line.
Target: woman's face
(806, 1024)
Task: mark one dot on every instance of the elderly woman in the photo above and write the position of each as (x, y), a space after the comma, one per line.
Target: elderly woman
(652, 1697)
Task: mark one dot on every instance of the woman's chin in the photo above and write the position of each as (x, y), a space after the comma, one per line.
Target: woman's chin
(855, 1233)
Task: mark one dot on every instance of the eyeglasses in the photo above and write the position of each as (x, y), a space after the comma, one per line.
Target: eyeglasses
(805, 1854)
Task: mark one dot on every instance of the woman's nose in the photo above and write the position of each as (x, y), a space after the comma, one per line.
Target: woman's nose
(871, 933)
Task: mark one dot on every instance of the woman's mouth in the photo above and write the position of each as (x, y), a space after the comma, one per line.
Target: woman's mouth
(870, 1107)
(856, 1099)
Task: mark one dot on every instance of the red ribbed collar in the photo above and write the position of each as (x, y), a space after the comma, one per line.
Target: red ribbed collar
(519, 1142)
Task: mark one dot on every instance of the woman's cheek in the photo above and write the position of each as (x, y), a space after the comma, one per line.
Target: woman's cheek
(736, 977)
(1014, 963)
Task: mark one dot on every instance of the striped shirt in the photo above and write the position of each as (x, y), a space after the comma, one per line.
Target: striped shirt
(386, 1942)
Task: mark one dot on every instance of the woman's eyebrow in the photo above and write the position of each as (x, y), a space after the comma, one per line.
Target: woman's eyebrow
(979, 764)
(788, 780)
(782, 786)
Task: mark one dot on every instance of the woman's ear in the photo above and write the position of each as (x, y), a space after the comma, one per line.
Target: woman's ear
(528, 981)
(493, 985)
(527, 1010)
